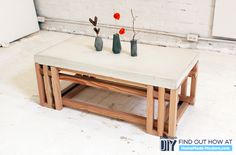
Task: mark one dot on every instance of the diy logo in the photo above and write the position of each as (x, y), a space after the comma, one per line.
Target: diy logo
(168, 144)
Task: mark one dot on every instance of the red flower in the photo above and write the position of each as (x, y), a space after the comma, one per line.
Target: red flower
(116, 16)
(122, 31)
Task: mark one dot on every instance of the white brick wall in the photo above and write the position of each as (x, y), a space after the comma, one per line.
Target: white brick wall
(175, 16)
(179, 16)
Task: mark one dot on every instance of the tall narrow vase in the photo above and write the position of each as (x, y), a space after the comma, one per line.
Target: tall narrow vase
(133, 44)
(98, 44)
(116, 46)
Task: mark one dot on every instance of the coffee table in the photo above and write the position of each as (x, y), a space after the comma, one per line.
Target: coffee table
(157, 72)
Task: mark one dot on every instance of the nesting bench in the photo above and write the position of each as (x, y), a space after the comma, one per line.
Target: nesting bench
(160, 73)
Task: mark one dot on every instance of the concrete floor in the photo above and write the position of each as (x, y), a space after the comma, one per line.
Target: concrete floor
(27, 128)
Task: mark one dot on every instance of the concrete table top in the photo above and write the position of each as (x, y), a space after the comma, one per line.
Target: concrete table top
(158, 66)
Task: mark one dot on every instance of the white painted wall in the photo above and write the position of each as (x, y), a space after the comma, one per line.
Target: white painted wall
(17, 19)
(179, 16)
(224, 21)
(175, 16)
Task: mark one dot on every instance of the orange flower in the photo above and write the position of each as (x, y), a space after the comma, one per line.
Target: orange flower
(122, 31)
(116, 16)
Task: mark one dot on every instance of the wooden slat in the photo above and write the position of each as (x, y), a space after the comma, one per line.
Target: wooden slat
(161, 111)
(49, 72)
(68, 88)
(173, 113)
(56, 88)
(114, 87)
(184, 87)
(183, 107)
(192, 72)
(41, 90)
(167, 113)
(150, 109)
(187, 99)
(194, 85)
(105, 78)
(167, 95)
(48, 87)
(102, 85)
(156, 123)
(166, 126)
(105, 112)
(75, 91)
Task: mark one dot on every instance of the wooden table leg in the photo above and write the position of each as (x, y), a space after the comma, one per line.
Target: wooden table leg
(161, 111)
(173, 113)
(56, 86)
(48, 86)
(42, 97)
(150, 109)
(184, 87)
(194, 84)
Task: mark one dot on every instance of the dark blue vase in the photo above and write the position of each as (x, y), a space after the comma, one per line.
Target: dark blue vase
(116, 46)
